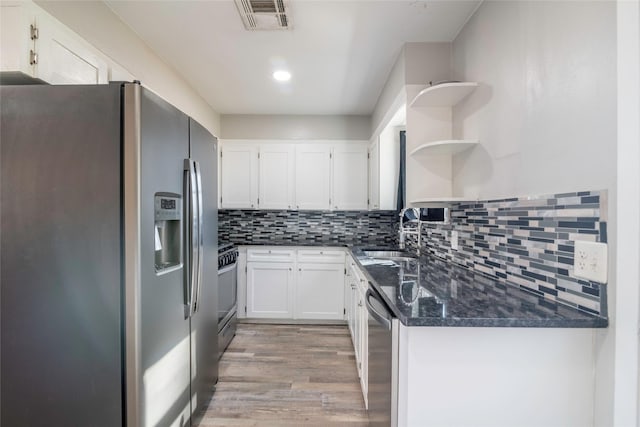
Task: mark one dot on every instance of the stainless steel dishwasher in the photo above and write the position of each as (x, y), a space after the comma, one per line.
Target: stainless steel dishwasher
(382, 373)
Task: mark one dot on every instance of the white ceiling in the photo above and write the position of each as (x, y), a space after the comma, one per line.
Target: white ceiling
(339, 52)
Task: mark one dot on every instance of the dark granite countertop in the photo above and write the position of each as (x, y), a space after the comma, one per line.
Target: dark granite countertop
(432, 292)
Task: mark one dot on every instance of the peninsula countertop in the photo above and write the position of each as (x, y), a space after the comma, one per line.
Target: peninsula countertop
(428, 291)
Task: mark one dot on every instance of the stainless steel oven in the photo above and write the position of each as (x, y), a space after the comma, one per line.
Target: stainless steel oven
(227, 295)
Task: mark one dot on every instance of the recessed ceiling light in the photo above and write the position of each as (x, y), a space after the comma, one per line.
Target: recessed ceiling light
(282, 75)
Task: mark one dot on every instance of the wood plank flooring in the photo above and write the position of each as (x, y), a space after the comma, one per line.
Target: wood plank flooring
(288, 375)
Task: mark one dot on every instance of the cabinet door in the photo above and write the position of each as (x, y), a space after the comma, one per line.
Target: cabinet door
(16, 43)
(64, 57)
(313, 176)
(238, 176)
(347, 294)
(350, 176)
(276, 176)
(353, 304)
(358, 303)
(269, 290)
(374, 176)
(319, 291)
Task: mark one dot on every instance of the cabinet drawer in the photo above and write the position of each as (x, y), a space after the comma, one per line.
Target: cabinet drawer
(270, 255)
(321, 256)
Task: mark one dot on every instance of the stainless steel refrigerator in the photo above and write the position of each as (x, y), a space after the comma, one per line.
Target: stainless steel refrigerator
(108, 258)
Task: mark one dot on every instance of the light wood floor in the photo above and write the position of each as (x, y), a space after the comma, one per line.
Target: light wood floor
(288, 375)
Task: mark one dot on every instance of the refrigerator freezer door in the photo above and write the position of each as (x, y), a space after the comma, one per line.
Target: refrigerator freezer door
(165, 383)
(204, 322)
(61, 351)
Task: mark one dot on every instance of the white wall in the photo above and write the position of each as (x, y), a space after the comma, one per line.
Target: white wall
(427, 62)
(627, 340)
(391, 97)
(417, 64)
(97, 24)
(238, 126)
(547, 74)
(545, 115)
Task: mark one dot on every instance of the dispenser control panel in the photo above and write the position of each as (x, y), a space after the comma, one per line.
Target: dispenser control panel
(168, 232)
(167, 208)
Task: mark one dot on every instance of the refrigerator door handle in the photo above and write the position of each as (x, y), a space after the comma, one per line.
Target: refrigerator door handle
(191, 224)
(200, 236)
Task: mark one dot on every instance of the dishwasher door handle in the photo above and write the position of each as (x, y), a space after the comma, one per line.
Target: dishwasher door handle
(372, 311)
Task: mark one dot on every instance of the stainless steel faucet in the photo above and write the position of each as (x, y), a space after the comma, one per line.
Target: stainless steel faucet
(403, 231)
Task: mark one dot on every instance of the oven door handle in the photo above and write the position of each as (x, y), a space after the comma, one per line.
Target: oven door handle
(227, 268)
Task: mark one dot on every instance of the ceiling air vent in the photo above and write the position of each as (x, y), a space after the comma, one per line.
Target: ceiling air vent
(264, 14)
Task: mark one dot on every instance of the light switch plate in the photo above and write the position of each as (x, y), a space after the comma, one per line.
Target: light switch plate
(590, 261)
(454, 240)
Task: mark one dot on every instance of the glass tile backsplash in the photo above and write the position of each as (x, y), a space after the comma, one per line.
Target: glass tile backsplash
(527, 242)
(259, 227)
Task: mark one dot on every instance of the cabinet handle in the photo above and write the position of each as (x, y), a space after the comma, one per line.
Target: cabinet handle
(34, 32)
(33, 58)
(299, 269)
(290, 269)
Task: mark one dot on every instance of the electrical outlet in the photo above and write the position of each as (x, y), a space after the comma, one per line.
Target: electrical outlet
(454, 240)
(590, 261)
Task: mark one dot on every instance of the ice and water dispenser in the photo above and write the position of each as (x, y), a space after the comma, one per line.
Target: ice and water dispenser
(168, 231)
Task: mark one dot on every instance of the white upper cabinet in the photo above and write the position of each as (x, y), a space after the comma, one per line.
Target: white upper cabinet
(17, 21)
(276, 182)
(350, 176)
(239, 176)
(65, 58)
(294, 175)
(34, 44)
(313, 176)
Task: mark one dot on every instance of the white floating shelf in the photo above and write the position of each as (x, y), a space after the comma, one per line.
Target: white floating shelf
(443, 95)
(452, 146)
(438, 202)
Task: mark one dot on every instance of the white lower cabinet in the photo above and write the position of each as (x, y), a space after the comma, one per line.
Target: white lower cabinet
(357, 319)
(319, 291)
(544, 375)
(270, 289)
(304, 284)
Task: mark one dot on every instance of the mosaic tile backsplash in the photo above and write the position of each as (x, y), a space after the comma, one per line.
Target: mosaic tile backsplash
(247, 227)
(527, 242)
